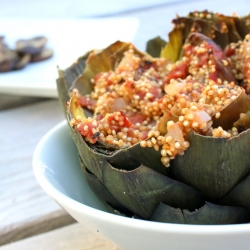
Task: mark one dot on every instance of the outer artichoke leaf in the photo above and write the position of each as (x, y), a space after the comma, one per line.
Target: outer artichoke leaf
(142, 189)
(230, 29)
(213, 165)
(239, 195)
(231, 112)
(242, 25)
(66, 78)
(173, 48)
(208, 214)
(102, 193)
(185, 24)
(244, 122)
(167, 214)
(155, 46)
(223, 30)
(212, 214)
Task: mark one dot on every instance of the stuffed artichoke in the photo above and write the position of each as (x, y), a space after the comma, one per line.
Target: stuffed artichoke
(164, 135)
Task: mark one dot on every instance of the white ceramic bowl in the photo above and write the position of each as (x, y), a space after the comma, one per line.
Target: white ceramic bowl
(58, 171)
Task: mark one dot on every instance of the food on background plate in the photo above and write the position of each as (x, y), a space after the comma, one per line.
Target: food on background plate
(164, 135)
(26, 51)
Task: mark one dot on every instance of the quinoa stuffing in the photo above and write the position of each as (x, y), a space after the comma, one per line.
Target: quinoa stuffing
(155, 102)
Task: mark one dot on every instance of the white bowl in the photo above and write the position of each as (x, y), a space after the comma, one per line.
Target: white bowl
(58, 171)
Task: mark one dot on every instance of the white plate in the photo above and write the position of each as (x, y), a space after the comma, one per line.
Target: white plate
(69, 38)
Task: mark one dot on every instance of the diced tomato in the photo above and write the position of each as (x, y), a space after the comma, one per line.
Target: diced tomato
(181, 71)
(229, 50)
(86, 129)
(115, 124)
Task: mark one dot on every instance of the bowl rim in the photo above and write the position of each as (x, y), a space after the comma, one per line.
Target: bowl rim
(117, 220)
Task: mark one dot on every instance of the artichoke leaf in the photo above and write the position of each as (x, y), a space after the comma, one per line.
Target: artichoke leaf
(224, 29)
(173, 48)
(102, 193)
(66, 78)
(75, 110)
(244, 122)
(239, 195)
(212, 214)
(155, 45)
(231, 112)
(242, 25)
(142, 189)
(168, 214)
(225, 24)
(213, 165)
(208, 214)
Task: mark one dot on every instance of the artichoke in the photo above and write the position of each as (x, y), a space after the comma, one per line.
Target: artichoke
(164, 135)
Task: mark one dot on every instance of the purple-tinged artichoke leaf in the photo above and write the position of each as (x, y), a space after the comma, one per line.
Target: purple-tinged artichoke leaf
(239, 195)
(244, 122)
(208, 214)
(213, 165)
(231, 112)
(154, 46)
(142, 189)
(196, 38)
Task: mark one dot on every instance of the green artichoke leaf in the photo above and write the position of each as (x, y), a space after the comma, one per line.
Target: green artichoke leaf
(226, 24)
(102, 193)
(223, 28)
(213, 165)
(142, 189)
(168, 214)
(242, 25)
(231, 112)
(66, 78)
(239, 195)
(155, 45)
(173, 48)
(208, 214)
(244, 122)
